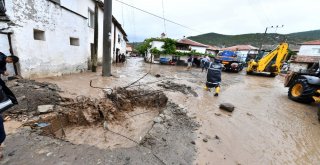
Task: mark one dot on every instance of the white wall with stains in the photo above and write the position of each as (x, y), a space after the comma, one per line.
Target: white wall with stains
(53, 56)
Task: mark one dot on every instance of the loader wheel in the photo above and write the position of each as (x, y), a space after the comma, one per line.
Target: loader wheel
(301, 91)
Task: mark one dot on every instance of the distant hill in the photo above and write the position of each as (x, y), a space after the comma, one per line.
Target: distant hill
(255, 38)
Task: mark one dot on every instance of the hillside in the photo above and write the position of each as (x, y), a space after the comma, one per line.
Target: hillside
(255, 38)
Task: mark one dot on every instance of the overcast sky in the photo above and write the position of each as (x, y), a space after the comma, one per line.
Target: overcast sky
(219, 16)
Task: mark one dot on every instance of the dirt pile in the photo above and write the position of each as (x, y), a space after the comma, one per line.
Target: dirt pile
(30, 95)
(169, 85)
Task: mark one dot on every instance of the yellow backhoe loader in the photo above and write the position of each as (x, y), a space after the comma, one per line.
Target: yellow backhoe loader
(270, 63)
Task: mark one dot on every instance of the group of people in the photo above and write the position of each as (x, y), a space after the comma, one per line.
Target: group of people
(214, 69)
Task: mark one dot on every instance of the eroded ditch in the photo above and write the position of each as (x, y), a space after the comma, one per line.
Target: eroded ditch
(144, 119)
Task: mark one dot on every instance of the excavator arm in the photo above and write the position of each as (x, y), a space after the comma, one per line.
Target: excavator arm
(271, 62)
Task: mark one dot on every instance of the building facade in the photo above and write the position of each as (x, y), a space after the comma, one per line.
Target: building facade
(53, 37)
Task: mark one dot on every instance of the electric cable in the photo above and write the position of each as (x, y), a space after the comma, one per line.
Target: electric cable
(158, 16)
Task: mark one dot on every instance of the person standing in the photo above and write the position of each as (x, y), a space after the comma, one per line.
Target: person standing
(190, 61)
(7, 98)
(204, 62)
(214, 76)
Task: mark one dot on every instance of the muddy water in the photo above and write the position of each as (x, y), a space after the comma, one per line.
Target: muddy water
(265, 128)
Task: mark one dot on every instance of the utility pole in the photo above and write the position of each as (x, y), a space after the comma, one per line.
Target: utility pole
(95, 40)
(107, 25)
(265, 34)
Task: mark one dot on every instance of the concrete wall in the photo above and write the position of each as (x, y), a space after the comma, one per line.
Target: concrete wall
(157, 44)
(54, 55)
(309, 50)
(199, 49)
(296, 67)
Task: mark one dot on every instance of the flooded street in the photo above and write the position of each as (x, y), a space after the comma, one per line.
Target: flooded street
(265, 128)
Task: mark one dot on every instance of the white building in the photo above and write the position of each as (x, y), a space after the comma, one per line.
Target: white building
(187, 45)
(311, 48)
(54, 37)
(308, 54)
(154, 45)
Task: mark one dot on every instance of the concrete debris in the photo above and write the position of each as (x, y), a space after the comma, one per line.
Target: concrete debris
(157, 120)
(227, 107)
(42, 109)
(178, 87)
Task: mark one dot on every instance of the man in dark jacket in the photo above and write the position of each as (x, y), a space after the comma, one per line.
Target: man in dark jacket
(214, 76)
(7, 98)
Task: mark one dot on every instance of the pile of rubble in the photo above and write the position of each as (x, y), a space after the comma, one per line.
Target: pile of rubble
(169, 85)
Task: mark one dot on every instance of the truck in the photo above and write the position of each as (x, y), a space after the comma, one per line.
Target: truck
(231, 61)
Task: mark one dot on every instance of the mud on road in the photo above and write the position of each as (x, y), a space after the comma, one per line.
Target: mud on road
(265, 127)
(87, 130)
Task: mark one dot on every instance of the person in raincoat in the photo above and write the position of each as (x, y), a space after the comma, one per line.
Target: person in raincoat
(214, 76)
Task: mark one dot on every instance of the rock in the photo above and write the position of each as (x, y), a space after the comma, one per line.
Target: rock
(162, 116)
(167, 117)
(158, 75)
(157, 120)
(36, 87)
(45, 108)
(217, 137)
(49, 154)
(227, 107)
(105, 125)
(217, 114)
(193, 142)
(249, 114)
(205, 140)
(21, 98)
(210, 150)
(54, 87)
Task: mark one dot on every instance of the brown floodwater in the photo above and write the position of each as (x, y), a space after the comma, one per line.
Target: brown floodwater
(265, 128)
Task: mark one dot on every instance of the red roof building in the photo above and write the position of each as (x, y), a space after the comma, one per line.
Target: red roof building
(191, 43)
(315, 42)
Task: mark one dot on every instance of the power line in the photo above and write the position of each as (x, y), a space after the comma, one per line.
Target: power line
(158, 16)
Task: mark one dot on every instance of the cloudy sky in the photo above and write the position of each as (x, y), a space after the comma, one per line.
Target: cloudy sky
(219, 16)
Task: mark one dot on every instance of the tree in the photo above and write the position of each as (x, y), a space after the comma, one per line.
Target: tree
(169, 46)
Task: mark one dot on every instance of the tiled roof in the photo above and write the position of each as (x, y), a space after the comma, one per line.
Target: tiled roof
(315, 42)
(190, 42)
(210, 47)
(241, 47)
(305, 59)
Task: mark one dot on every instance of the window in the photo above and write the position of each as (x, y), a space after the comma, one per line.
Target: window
(39, 35)
(91, 18)
(119, 38)
(74, 41)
